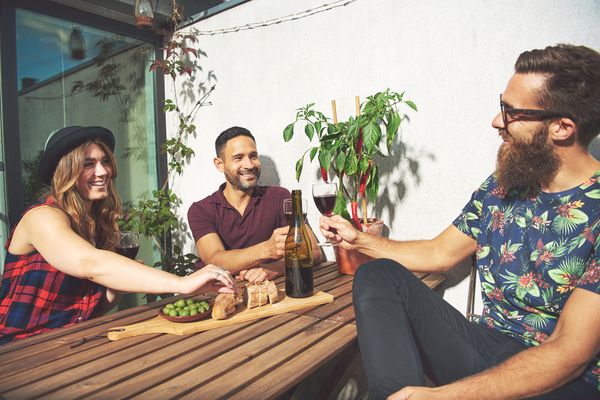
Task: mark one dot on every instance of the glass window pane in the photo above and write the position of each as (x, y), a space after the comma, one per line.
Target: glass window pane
(72, 74)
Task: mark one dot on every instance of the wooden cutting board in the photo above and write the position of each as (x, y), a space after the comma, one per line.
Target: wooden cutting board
(243, 314)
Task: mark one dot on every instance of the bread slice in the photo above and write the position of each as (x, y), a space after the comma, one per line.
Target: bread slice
(252, 296)
(224, 305)
(263, 297)
(259, 294)
(272, 292)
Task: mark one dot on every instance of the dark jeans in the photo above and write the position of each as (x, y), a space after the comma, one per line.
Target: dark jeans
(405, 330)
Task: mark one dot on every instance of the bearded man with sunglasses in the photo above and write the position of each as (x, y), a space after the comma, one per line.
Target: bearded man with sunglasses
(534, 225)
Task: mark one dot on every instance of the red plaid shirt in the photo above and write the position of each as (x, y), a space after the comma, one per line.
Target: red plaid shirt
(36, 297)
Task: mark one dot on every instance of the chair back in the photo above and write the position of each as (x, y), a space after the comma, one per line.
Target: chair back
(472, 285)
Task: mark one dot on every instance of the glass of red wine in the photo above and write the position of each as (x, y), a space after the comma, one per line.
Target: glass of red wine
(324, 195)
(287, 210)
(128, 244)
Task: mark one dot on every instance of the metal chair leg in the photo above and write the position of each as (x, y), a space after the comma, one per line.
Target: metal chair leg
(471, 296)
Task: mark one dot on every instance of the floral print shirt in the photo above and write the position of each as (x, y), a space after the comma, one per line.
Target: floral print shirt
(533, 250)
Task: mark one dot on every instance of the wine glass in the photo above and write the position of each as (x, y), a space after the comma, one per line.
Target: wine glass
(128, 244)
(324, 195)
(287, 210)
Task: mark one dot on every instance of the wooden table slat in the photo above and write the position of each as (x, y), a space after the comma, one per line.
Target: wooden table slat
(149, 355)
(264, 363)
(198, 349)
(48, 364)
(125, 317)
(295, 369)
(215, 368)
(42, 352)
(59, 338)
(334, 311)
(51, 386)
(343, 299)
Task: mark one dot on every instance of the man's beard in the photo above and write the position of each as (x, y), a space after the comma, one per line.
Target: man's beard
(234, 179)
(527, 164)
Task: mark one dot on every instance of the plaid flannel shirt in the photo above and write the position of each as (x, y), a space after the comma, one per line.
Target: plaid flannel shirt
(36, 297)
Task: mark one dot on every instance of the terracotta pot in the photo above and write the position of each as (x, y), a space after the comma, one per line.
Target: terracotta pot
(348, 261)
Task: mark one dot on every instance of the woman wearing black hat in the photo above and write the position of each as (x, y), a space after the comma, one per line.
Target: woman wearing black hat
(60, 266)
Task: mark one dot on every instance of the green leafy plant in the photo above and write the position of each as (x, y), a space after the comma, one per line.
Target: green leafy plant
(350, 149)
(154, 215)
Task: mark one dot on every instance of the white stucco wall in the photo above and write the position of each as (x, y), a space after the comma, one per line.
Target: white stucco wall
(452, 58)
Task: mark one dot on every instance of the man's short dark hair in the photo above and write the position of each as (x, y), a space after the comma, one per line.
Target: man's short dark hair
(229, 134)
(572, 84)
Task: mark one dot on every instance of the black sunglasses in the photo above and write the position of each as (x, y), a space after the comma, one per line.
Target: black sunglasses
(528, 114)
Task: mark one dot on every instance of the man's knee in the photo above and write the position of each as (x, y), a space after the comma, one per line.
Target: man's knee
(377, 274)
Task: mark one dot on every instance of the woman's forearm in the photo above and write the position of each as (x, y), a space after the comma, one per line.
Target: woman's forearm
(122, 274)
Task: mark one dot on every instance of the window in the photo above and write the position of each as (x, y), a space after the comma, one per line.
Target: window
(72, 74)
(71, 68)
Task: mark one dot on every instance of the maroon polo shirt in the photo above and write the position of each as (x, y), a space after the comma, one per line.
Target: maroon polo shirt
(263, 214)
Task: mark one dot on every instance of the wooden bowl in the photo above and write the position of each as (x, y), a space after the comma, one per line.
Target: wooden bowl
(188, 318)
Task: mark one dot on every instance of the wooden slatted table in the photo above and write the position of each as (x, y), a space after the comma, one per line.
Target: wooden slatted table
(259, 359)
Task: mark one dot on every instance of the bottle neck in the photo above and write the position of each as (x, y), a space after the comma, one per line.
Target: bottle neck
(297, 208)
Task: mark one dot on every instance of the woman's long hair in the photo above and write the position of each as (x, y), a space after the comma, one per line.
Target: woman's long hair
(99, 225)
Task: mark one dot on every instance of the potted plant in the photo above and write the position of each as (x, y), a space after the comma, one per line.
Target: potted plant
(350, 150)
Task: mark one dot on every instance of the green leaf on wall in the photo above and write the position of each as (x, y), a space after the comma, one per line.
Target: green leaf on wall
(309, 129)
(411, 105)
(288, 132)
(299, 165)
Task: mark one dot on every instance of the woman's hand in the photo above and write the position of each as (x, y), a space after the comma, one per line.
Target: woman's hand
(209, 278)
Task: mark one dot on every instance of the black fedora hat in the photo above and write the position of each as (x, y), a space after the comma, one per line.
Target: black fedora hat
(62, 141)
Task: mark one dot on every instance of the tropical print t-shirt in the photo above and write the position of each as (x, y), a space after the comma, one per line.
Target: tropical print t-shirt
(533, 250)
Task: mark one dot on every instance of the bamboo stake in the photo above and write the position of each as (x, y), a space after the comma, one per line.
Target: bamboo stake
(335, 121)
(364, 198)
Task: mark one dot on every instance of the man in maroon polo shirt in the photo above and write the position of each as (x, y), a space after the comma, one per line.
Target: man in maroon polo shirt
(241, 226)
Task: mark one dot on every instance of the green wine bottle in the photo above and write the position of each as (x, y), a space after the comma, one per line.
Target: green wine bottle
(298, 253)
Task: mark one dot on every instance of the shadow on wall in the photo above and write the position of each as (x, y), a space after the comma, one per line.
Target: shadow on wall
(408, 161)
(269, 175)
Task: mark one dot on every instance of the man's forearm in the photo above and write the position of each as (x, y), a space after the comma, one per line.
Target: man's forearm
(417, 256)
(531, 372)
(435, 255)
(239, 259)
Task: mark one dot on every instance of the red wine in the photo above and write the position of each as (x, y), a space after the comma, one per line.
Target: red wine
(129, 252)
(298, 278)
(290, 220)
(325, 203)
